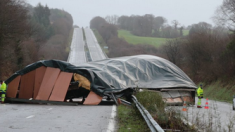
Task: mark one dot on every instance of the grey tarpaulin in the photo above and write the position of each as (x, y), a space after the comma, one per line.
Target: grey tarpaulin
(122, 73)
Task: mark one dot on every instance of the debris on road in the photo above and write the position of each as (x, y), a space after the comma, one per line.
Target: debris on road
(54, 80)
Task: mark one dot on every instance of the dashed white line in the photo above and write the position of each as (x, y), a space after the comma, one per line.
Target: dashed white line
(30, 116)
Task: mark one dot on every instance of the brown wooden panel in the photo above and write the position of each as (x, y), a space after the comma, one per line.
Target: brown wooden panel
(27, 85)
(61, 87)
(92, 99)
(13, 87)
(48, 83)
(38, 79)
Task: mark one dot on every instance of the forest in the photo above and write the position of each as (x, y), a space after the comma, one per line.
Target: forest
(29, 34)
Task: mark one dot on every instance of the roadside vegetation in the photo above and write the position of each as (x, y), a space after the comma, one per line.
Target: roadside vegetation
(29, 34)
(220, 91)
(130, 118)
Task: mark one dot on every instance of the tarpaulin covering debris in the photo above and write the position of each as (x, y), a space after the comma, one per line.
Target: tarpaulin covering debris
(113, 75)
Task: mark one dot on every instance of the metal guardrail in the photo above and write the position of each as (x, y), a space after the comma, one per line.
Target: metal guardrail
(152, 124)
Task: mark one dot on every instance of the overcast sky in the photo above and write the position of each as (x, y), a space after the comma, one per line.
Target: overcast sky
(186, 12)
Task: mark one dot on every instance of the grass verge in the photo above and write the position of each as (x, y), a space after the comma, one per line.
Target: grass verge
(219, 91)
(132, 39)
(130, 118)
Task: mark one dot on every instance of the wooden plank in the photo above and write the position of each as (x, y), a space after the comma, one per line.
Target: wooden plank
(27, 85)
(61, 87)
(38, 80)
(93, 99)
(48, 83)
(13, 86)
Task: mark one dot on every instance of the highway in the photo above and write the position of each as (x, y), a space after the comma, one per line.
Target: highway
(60, 118)
(93, 46)
(77, 52)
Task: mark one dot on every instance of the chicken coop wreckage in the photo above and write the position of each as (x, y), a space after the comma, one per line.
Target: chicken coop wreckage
(112, 78)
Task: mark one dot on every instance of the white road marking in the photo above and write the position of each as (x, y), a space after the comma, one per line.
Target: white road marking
(112, 120)
(30, 116)
(50, 108)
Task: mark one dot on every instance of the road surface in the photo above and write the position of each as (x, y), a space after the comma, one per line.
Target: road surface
(219, 116)
(93, 46)
(77, 52)
(54, 118)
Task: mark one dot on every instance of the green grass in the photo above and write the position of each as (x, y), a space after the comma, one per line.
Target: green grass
(130, 120)
(185, 32)
(219, 91)
(132, 39)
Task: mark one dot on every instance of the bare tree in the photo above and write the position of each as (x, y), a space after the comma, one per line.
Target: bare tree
(172, 51)
(225, 14)
(14, 28)
(107, 31)
(13, 20)
(181, 30)
(112, 19)
(175, 24)
(200, 28)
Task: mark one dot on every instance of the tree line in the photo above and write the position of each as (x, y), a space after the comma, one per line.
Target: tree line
(29, 34)
(147, 25)
(206, 54)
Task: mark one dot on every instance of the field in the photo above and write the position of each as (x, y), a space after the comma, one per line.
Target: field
(130, 38)
(185, 32)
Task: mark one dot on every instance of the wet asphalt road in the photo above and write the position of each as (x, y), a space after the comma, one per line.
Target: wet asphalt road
(93, 46)
(220, 115)
(53, 118)
(77, 52)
